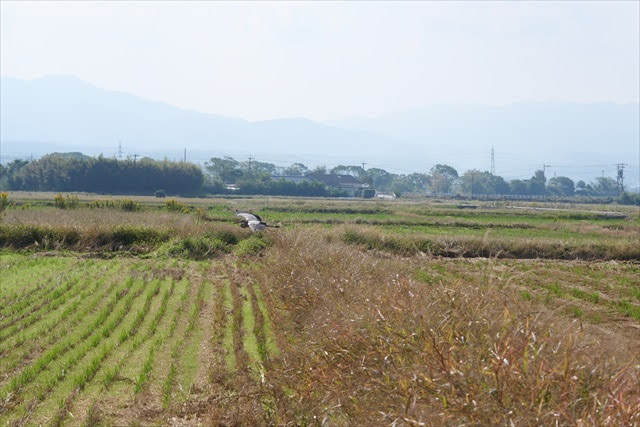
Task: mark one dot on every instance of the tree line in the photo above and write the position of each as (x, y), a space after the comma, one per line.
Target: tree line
(77, 172)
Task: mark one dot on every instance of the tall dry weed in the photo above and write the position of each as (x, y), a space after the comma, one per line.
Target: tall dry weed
(366, 343)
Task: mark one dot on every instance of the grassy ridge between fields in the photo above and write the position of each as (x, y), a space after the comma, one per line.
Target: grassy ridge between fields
(203, 244)
(496, 247)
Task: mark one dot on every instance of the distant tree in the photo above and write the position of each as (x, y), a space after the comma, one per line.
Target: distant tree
(379, 178)
(536, 185)
(518, 186)
(227, 169)
(356, 171)
(322, 170)
(418, 182)
(442, 178)
(604, 186)
(8, 174)
(477, 182)
(581, 188)
(257, 170)
(561, 186)
(59, 172)
(296, 169)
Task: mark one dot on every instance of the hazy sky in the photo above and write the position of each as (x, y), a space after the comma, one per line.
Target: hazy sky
(331, 60)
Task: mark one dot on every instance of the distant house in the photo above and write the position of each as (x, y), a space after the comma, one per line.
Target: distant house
(346, 183)
(386, 196)
(292, 178)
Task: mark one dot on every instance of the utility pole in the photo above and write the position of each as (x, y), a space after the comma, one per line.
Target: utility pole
(493, 162)
(363, 164)
(185, 156)
(620, 177)
(250, 160)
(544, 169)
(135, 156)
(473, 176)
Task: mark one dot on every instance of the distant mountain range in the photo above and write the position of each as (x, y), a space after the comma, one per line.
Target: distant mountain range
(58, 113)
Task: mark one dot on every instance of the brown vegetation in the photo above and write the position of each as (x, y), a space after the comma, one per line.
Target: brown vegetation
(366, 342)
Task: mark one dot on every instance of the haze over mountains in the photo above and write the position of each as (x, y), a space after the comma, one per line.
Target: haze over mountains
(63, 113)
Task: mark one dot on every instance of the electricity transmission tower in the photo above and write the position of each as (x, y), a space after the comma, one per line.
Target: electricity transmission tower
(620, 177)
(493, 162)
(120, 150)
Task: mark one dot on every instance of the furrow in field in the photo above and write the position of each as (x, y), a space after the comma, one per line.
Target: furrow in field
(29, 344)
(27, 278)
(181, 353)
(63, 294)
(47, 338)
(97, 327)
(222, 362)
(250, 341)
(82, 362)
(271, 346)
(108, 359)
(193, 375)
(95, 281)
(240, 355)
(47, 284)
(117, 384)
(149, 380)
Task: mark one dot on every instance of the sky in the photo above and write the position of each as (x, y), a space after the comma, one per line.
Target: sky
(331, 60)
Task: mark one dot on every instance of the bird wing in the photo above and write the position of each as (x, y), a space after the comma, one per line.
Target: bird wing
(248, 216)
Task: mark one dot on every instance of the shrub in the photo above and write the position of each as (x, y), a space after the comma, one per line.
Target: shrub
(68, 202)
(129, 205)
(174, 206)
(251, 246)
(198, 248)
(160, 193)
(4, 201)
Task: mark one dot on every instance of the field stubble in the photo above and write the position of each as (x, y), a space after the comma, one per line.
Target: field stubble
(357, 313)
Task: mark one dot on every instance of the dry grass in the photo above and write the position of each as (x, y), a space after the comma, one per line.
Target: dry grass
(365, 342)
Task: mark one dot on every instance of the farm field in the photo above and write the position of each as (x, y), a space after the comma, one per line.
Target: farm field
(354, 312)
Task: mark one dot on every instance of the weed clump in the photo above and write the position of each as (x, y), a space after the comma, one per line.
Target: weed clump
(254, 245)
(68, 202)
(198, 248)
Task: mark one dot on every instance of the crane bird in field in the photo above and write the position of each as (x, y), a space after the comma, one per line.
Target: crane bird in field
(254, 222)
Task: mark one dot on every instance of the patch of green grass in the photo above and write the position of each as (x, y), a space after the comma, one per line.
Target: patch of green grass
(250, 341)
(271, 345)
(251, 246)
(229, 352)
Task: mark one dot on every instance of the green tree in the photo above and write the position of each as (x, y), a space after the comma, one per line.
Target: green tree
(561, 186)
(536, 185)
(378, 178)
(605, 186)
(296, 169)
(477, 182)
(518, 186)
(356, 171)
(227, 169)
(442, 178)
